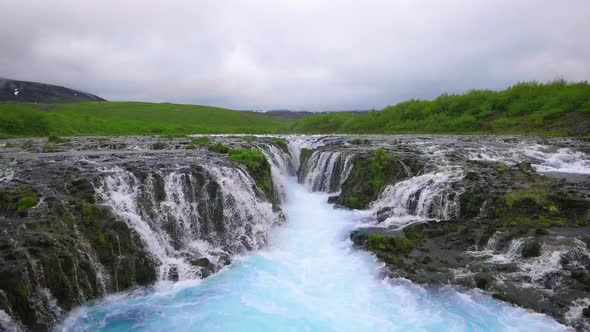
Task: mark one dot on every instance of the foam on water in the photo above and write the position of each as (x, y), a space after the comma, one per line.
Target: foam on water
(309, 279)
(544, 158)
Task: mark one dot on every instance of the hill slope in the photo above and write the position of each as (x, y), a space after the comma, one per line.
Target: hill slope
(128, 118)
(556, 108)
(33, 92)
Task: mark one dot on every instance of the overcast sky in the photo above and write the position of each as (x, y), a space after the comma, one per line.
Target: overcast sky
(295, 54)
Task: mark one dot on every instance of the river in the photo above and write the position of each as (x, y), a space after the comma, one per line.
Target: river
(309, 278)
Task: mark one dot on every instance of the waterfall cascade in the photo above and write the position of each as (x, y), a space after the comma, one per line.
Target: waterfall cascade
(192, 220)
(131, 216)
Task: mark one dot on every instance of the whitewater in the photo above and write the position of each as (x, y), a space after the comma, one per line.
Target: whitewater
(309, 278)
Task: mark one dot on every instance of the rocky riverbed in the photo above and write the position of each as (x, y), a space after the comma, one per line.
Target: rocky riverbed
(85, 217)
(507, 215)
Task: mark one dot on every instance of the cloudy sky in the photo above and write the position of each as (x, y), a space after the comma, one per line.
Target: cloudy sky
(295, 54)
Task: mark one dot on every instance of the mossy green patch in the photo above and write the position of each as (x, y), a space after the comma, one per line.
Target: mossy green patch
(258, 167)
(26, 203)
(536, 196)
(501, 167)
(219, 148)
(49, 147)
(394, 244)
(202, 141)
(380, 168)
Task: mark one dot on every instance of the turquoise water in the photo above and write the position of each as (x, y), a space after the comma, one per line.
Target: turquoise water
(309, 279)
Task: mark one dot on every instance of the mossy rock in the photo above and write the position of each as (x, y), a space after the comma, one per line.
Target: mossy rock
(370, 174)
(531, 249)
(259, 168)
(159, 146)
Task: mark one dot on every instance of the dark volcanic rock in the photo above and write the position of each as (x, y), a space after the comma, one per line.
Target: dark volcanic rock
(86, 220)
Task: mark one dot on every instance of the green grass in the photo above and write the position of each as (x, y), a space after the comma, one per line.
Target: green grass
(128, 118)
(557, 108)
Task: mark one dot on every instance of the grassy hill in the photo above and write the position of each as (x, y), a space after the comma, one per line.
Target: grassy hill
(556, 108)
(127, 118)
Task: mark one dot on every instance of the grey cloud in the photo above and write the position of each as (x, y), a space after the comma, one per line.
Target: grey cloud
(298, 54)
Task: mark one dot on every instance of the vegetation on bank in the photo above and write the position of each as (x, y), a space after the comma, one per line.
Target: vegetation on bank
(127, 118)
(555, 108)
(258, 167)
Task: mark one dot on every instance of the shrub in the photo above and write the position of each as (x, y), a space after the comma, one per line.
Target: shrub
(27, 202)
(219, 148)
(202, 141)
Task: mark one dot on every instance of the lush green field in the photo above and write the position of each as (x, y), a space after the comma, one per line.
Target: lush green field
(127, 118)
(556, 108)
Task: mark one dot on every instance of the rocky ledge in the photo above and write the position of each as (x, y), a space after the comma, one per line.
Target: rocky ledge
(81, 218)
(446, 211)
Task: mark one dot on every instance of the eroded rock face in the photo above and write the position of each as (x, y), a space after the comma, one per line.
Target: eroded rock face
(507, 215)
(81, 218)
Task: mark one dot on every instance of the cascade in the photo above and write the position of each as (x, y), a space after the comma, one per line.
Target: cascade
(191, 220)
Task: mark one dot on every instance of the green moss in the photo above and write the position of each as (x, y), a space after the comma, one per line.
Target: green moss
(553, 209)
(191, 146)
(380, 168)
(48, 148)
(219, 148)
(281, 143)
(549, 222)
(26, 203)
(250, 139)
(396, 244)
(501, 167)
(304, 155)
(258, 167)
(537, 196)
(539, 222)
(203, 141)
(102, 238)
(531, 249)
(353, 202)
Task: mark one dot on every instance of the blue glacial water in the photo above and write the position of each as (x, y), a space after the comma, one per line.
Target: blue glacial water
(310, 278)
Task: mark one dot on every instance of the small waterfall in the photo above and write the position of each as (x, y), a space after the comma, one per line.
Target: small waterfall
(424, 197)
(282, 166)
(248, 216)
(190, 218)
(296, 142)
(320, 170)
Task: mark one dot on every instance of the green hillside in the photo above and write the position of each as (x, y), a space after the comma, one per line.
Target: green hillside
(127, 118)
(556, 108)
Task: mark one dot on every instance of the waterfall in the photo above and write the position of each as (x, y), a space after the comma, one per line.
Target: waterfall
(282, 167)
(190, 218)
(423, 197)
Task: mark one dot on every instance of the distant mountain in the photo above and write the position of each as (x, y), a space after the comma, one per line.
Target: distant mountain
(33, 92)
